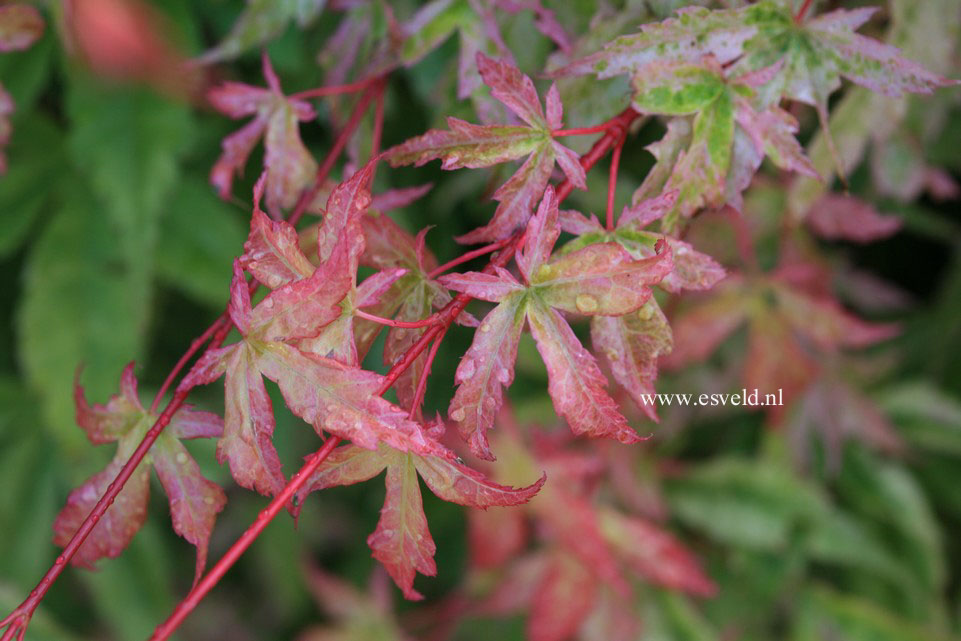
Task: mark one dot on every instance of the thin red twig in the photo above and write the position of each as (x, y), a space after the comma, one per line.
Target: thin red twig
(799, 17)
(279, 502)
(422, 382)
(195, 345)
(612, 182)
(616, 129)
(19, 618)
(582, 131)
(390, 322)
(332, 90)
(463, 258)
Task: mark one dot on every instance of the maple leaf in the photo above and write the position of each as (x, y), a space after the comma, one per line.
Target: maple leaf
(262, 21)
(768, 50)
(476, 24)
(727, 138)
(844, 217)
(469, 145)
(290, 167)
(632, 343)
(412, 297)
(276, 339)
(402, 542)
(355, 615)
(813, 56)
(579, 571)
(194, 501)
(780, 317)
(601, 279)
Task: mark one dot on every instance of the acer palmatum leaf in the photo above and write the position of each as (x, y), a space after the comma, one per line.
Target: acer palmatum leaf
(845, 217)
(631, 344)
(194, 501)
(272, 252)
(290, 168)
(600, 279)
(469, 145)
(402, 541)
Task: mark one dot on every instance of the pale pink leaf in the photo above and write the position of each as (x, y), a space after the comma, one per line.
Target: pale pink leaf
(647, 211)
(484, 372)
(543, 231)
(489, 287)
(402, 541)
(346, 465)
(823, 321)
(631, 346)
(123, 519)
(513, 88)
(342, 400)
(107, 423)
(842, 217)
(247, 444)
(457, 483)
(555, 110)
(562, 602)
(693, 270)
(194, 501)
(272, 252)
(301, 309)
(516, 198)
(575, 382)
(601, 279)
(193, 423)
(655, 554)
(238, 307)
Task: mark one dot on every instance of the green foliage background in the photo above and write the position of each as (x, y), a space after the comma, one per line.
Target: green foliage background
(114, 247)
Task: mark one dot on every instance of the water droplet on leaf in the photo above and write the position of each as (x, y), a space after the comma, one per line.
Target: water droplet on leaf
(585, 303)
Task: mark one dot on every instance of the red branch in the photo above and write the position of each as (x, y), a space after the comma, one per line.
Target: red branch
(199, 591)
(612, 182)
(799, 17)
(20, 617)
(17, 620)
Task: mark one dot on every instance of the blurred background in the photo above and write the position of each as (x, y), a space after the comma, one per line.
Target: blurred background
(114, 247)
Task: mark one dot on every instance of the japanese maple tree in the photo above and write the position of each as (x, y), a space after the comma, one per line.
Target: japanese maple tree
(338, 308)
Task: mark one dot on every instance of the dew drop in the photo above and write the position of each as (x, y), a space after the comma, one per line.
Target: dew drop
(209, 500)
(457, 415)
(585, 303)
(181, 458)
(645, 312)
(486, 327)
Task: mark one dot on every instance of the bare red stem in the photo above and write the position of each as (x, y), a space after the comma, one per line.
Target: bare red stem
(390, 322)
(19, 618)
(422, 382)
(279, 502)
(612, 182)
(799, 17)
(332, 90)
(583, 131)
(463, 258)
(616, 129)
(195, 345)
